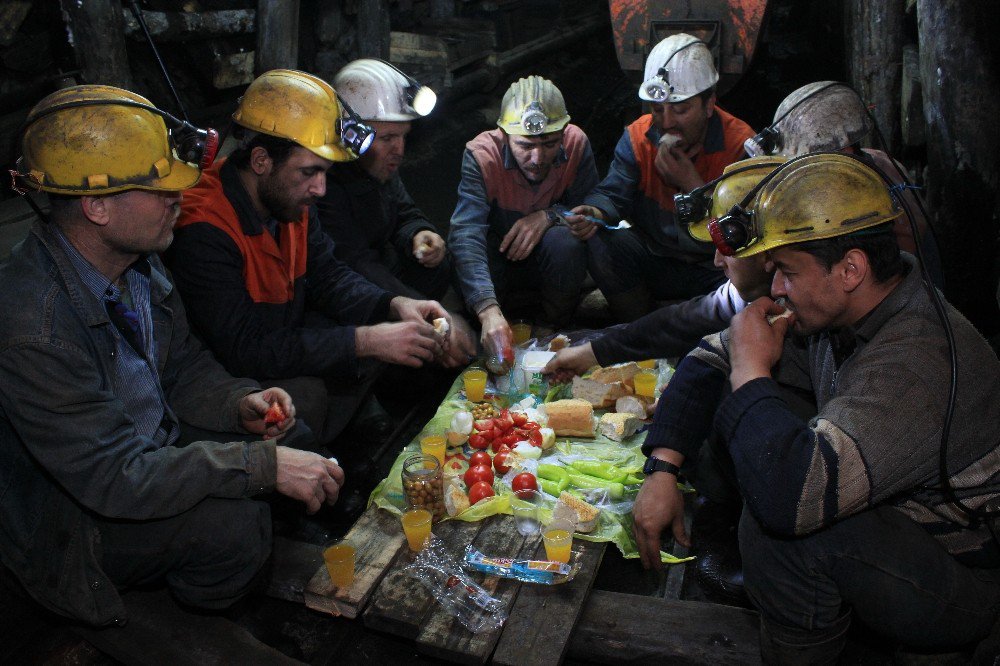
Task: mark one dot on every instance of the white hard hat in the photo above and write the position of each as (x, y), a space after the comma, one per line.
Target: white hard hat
(820, 116)
(379, 91)
(677, 68)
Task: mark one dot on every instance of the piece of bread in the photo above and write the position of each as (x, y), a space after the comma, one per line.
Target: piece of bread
(619, 426)
(572, 508)
(634, 405)
(571, 418)
(623, 372)
(455, 500)
(441, 326)
(773, 318)
(598, 394)
(668, 141)
(558, 342)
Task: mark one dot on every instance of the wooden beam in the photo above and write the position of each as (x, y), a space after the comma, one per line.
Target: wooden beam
(177, 26)
(373, 29)
(97, 33)
(277, 35)
(875, 60)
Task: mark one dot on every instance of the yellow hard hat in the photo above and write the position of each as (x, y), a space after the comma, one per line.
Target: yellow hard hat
(297, 106)
(95, 139)
(816, 196)
(736, 181)
(532, 106)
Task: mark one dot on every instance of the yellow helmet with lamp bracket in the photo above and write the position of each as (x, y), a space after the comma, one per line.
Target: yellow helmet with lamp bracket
(531, 107)
(95, 139)
(811, 197)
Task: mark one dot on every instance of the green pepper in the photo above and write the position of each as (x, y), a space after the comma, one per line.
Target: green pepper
(554, 474)
(615, 489)
(602, 470)
(633, 480)
(553, 488)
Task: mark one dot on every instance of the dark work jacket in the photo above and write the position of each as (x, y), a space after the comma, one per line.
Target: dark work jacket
(68, 449)
(370, 222)
(247, 293)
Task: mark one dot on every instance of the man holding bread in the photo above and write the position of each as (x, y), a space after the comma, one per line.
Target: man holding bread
(106, 481)
(259, 277)
(859, 512)
(684, 142)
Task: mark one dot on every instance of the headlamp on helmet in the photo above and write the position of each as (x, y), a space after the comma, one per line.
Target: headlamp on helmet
(353, 133)
(533, 120)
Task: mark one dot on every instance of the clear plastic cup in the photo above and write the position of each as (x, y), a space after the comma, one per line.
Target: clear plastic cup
(524, 505)
(521, 330)
(434, 445)
(475, 384)
(417, 528)
(558, 539)
(339, 560)
(645, 383)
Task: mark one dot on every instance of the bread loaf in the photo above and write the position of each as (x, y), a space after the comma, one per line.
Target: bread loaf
(571, 418)
(633, 404)
(623, 372)
(582, 515)
(598, 394)
(619, 426)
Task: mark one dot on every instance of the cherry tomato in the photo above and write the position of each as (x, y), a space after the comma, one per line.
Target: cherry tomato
(504, 422)
(480, 458)
(477, 441)
(520, 418)
(500, 460)
(480, 490)
(478, 473)
(483, 424)
(498, 444)
(512, 438)
(531, 425)
(524, 481)
(535, 437)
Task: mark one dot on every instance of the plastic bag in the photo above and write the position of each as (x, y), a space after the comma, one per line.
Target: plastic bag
(528, 571)
(461, 596)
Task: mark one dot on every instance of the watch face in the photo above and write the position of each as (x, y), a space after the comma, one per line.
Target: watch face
(650, 466)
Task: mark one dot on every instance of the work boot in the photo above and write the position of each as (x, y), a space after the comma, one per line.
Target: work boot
(793, 646)
(715, 542)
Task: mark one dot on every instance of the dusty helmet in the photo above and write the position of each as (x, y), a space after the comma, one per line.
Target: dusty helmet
(379, 91)
(731, 187)
(532, 106)
(677, 68)
(815, 197)
(300, 107)
(99, 140)
(821, 116)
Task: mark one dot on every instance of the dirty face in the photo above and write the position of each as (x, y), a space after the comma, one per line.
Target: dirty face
(535, 154)
(750, 276)
(141, 221)
(687, 120)
(385, 155)
(812, 292)
(299, 181)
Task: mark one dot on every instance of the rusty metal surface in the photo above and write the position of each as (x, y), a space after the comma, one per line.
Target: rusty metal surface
(730, 27)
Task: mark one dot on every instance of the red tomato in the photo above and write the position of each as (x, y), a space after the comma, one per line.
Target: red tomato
(498, 444)
(531, 425)
(480, 490)
(512, 438)
(535, 437)
(500, 460)
(483, 424)
(520, 418)
(480, 458)
(477, 441)
(524, 481)
(478, 473)
(504, 422)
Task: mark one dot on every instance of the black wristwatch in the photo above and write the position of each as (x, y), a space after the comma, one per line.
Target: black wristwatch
(553, 217)
(654, 464)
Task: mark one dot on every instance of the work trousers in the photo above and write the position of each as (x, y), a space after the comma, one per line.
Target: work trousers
(878, 565)
(556, 268)
(210, 556)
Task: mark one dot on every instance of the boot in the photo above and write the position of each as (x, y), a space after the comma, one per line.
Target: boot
(715, 542)
(793, 646)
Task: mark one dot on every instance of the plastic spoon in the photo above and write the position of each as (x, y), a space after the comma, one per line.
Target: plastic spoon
(622, 224)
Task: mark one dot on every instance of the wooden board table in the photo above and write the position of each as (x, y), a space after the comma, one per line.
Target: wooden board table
(540, 620)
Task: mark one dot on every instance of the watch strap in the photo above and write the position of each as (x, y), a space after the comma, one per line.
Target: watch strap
(654, 464)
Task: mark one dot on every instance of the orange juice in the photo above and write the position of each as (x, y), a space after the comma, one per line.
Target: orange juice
(558, 543)
(645, 383)
(417, 528)
(521, 331)
(339, 560)
(648, 364)
(475, 384)
(434, 445)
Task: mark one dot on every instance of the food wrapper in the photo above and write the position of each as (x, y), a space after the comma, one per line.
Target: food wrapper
(545, 572)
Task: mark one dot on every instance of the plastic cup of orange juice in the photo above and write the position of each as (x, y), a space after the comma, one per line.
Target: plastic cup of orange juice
(417, 528)
(648, 364)
(434, 445)
(475, 384)
(521, 330)
(645, 383)
(558, 539)
(339, 560)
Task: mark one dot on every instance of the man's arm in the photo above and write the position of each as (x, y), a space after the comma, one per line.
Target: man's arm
(467, 238)
(586, 178)
(410, 220)
(616, 193)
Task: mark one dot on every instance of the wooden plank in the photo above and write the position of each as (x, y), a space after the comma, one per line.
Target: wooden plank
(373, 28)
(277, 35)
(663, 630)
(377, 539)
(97, 30)
(443, 636)
(401, 604)
(543, 617)
(161, 632)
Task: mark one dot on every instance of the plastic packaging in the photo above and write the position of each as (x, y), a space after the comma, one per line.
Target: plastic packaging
(461, 596)
(528, 571)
